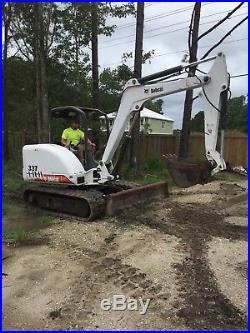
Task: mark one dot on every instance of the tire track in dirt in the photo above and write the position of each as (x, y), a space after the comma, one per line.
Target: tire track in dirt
(204, 306)
(77, 311)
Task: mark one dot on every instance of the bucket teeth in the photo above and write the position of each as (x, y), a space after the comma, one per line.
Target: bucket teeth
(186, 174)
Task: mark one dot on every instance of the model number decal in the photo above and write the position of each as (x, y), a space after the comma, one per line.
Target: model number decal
(33, 171)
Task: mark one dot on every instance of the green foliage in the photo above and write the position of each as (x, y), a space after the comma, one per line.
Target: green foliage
(237, 119)
(146, 56)
(111, 86)
(21, 95)
(150, 171)
(238, 115)
(12, 177)
(155, 105)
(197, 123)
(17, 235)
(75, 19)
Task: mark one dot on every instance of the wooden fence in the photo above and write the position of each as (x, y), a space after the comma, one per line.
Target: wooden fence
(235, 149)
(154, 146)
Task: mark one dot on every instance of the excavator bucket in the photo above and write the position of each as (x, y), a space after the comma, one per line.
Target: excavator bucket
(186, 174)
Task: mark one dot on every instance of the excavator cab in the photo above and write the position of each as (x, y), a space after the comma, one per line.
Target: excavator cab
(93, 122)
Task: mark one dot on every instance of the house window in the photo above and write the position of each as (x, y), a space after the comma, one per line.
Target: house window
(110, 122)
(141, 121)
(163, 124)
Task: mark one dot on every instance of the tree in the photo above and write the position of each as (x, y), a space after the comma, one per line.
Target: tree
(155, 106)
(237, 118)
(83, 23)
(237, 115)
(197, 123)
(34, 29)
(7, 15)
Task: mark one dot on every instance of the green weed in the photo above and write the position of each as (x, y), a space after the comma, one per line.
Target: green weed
(149, 172)
(17, 235)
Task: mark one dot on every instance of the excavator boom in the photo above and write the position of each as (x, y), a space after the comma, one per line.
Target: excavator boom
(137, 92)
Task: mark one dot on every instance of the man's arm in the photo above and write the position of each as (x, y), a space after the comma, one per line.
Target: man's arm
(90, 143)
(64, 140)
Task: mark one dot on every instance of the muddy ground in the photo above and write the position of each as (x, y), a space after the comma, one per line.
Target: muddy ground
(187, 254)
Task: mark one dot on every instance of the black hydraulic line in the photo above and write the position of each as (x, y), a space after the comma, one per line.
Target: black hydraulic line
(224, 109)
(158, 75)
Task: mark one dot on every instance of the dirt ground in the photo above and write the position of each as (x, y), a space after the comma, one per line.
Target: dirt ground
(187, 254)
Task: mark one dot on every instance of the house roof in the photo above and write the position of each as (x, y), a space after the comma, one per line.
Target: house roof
(146, 113)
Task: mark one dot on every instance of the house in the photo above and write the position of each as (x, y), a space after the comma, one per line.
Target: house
(151, 122)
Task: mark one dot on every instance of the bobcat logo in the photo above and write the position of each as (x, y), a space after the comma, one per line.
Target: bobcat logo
(156, 90)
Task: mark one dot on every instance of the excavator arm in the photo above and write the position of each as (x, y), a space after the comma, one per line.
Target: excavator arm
(137, 91)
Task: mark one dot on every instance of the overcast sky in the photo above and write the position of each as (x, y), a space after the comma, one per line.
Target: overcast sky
(166, 31)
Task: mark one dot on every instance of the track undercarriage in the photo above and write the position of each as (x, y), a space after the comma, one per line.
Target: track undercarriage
(93, 202)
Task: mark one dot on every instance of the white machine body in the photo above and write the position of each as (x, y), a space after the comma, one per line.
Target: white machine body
(55, 164)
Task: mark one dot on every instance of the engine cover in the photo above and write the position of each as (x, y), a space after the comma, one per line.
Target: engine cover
(52, 163)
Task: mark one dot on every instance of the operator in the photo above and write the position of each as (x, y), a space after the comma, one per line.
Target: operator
(73, 139)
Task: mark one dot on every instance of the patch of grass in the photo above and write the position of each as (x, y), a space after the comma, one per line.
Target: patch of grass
(45, 220)
(17, 235)
(12, 177)
(150, 171)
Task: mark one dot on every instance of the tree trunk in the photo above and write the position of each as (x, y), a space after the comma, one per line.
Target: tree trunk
(185, 133)
(7, 19)
(135, 135)
(37, 72)
(38, 96)
(94, 45)
(44, 90)
(41, 80)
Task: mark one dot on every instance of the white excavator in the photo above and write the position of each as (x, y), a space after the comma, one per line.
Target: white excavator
(62, 183)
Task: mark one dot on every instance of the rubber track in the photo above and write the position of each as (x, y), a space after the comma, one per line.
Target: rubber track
(88, 204)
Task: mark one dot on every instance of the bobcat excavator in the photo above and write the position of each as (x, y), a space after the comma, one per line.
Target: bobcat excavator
(62, 183)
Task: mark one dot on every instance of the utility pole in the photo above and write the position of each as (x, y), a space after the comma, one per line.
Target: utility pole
(193, 47)
(135, 135)
(94, 45)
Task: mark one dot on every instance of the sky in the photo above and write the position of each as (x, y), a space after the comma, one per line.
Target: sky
(166, 32)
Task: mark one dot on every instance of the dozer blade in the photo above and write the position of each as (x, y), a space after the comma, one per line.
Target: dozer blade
(116, 202)
(186, 174)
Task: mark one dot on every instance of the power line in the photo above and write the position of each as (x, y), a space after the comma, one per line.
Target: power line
(176, 11)
(181, 51)
(239, 75)
(224, 37)
(151, 4)
(174, 24)
(162, 33)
